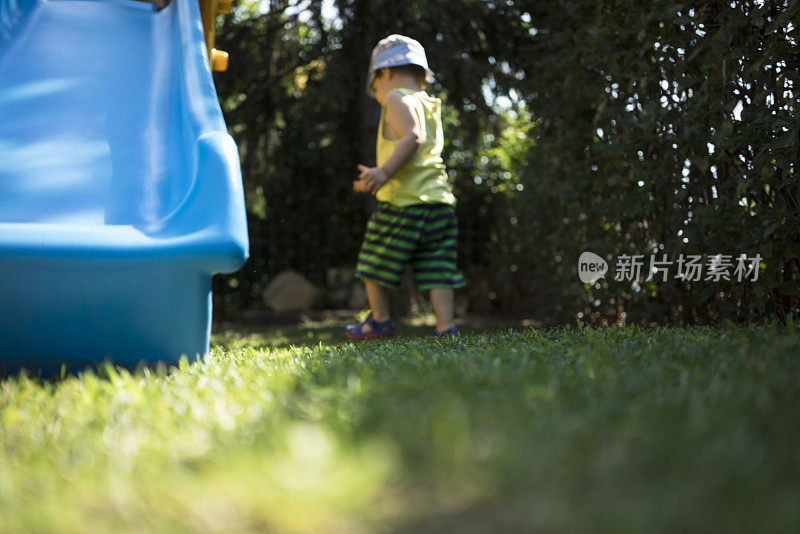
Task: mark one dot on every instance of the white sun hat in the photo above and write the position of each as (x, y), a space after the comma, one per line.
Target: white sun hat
(394, 51)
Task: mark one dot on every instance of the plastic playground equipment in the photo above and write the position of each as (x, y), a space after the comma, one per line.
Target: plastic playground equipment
(120, 188)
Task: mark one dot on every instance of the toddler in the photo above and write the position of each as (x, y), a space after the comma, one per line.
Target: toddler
(415, 221)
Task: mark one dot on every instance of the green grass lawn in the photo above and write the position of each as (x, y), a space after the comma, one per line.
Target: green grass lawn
(299, 431)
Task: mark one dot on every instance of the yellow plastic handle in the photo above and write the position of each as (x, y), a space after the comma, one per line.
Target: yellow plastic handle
(224, 6)
(219, 60)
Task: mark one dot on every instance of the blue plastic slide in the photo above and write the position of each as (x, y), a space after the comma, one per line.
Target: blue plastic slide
(120, 188)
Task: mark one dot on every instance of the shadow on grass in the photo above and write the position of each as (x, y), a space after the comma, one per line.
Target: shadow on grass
(265, 329)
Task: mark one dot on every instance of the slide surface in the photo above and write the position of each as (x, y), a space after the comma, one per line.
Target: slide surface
(120, 188)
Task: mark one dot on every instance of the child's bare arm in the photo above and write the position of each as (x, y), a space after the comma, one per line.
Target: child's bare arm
(403, 123)
(405, 126)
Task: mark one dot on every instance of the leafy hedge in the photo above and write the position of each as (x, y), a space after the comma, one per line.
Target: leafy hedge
(617, 127)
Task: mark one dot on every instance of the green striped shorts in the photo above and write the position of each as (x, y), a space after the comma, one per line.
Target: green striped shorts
(422, 235)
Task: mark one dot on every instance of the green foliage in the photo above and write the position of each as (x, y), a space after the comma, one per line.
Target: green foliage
(561, 430)
(641, 150)
(619, 127)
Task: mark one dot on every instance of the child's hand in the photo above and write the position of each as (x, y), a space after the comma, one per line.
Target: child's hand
(374, 177)
(360, 186)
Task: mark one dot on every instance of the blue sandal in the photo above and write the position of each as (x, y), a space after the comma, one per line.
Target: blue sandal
(383, 329)
(450, 332)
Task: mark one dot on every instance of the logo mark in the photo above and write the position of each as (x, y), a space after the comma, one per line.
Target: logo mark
(591, 267)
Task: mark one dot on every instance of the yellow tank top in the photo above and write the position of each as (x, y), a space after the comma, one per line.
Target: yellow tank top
(422, 180)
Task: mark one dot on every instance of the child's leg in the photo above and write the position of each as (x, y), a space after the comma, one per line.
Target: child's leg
(378, 323)
(442, 302)
(378, 297)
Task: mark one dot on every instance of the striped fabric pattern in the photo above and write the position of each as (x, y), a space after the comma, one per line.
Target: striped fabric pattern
(423, 236)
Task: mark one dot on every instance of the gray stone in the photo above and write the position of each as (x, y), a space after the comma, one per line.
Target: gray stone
(290, 291)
